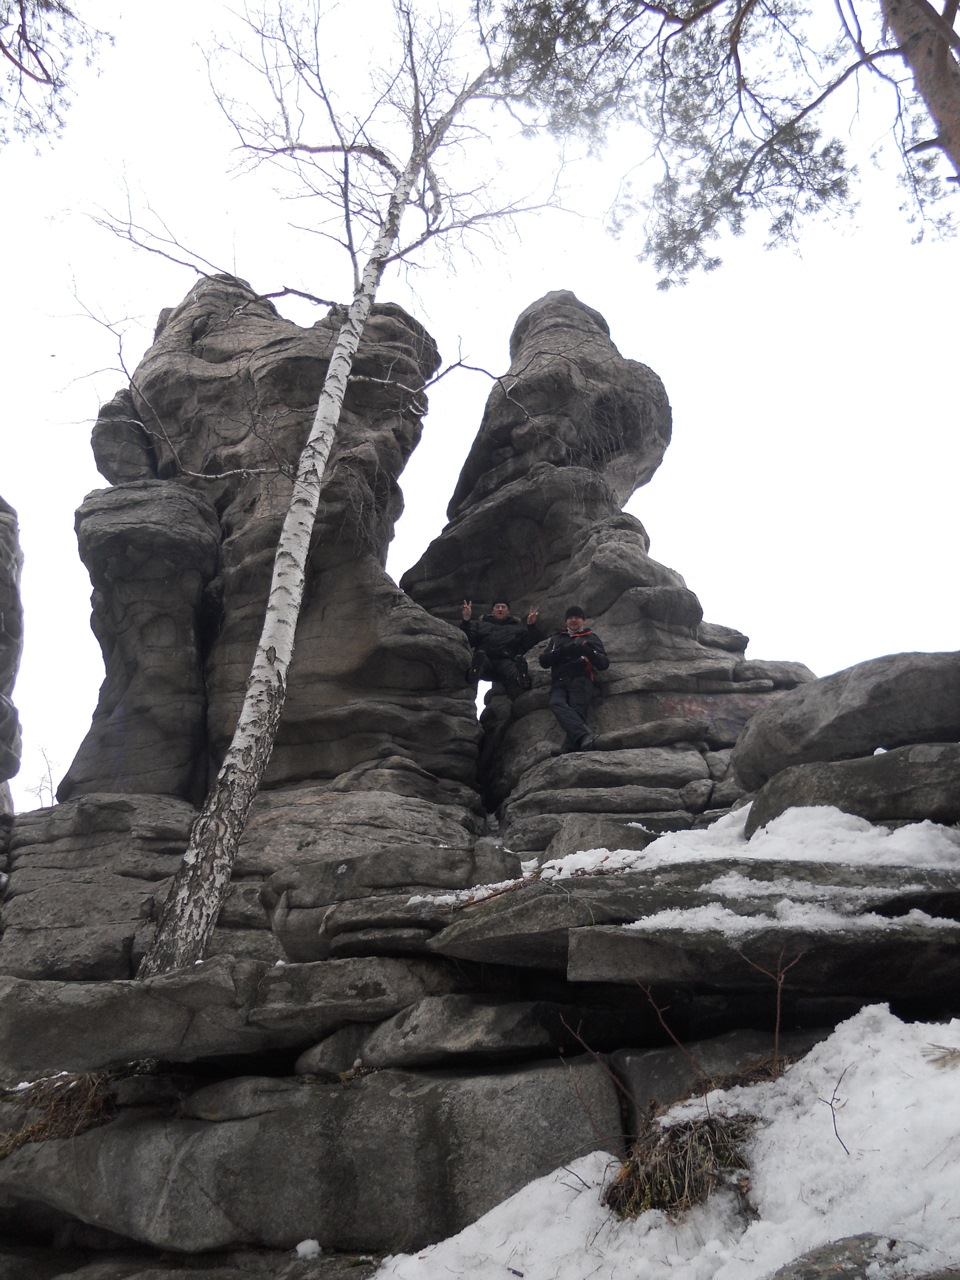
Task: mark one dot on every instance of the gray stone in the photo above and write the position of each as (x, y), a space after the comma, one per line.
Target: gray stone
(894, 701)
(246, 1265)
(656, 1078)
(83, 878)
(336, 1054)
(11, 645)
(717, 637)
(783, 675)
(873, 963)
(453, 1030)
(535, 924)
(578, 832)
(907, 784)
(274, 1168)
(532, 835)
(670, 767)
(151, 549)
(220, 1007)
(861, 1257)
(122, 447)
(536, 514)
(31, 1263)
(226, 384)
(615, 416)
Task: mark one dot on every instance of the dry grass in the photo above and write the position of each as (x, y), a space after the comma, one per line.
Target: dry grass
(676, 1166)
(61, 1107)
(761, 1072)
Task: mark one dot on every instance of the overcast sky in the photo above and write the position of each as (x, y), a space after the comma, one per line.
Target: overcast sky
(809, 494)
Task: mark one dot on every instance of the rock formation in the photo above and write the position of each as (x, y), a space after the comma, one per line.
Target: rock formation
(11, 642)
(568, 434)
(201, 449)
(880, 740)
(388, 1035)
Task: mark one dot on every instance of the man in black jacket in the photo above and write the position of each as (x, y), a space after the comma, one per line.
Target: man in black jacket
(573, 656)
(499, 641)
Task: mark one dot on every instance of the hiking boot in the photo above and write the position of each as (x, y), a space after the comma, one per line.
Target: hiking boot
(588, 743)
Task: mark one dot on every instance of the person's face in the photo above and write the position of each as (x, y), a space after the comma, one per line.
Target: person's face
(501, 611)
(575, 623)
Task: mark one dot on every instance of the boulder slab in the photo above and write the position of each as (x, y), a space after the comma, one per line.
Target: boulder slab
(263, 1161)
(222, 1007)
(894, 701)
(907, 784)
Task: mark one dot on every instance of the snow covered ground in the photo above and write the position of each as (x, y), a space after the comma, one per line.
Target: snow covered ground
(863, 1135)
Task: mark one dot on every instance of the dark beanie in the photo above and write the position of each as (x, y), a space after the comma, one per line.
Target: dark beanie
(575, 611)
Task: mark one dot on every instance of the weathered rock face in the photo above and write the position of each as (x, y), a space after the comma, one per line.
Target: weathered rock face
(11, 643)
(908, 784)
(83, 876)
(152, 549)
(569, 399)
(202, 449)
(387, 1036)
(894, 701)
(568, 434)
(878, 740)
(275, 1167)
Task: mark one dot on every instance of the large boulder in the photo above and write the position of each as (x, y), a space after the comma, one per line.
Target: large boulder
(908, 784)
(384, 1161)
(901, 959)
(597, 411)
(893, 701)
(89, 877)
(541, 923)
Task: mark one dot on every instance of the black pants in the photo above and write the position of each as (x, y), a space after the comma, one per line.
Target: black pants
(504, 670)
(570, 703)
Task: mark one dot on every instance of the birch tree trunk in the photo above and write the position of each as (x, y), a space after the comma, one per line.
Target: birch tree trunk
(200, 885)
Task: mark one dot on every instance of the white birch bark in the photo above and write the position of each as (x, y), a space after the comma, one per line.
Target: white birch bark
(200, 885)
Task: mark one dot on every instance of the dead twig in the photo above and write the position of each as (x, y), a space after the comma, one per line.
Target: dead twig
(834, 1103)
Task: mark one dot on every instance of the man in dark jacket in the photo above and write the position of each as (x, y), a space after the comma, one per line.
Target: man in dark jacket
(499, 641)
(573, 656)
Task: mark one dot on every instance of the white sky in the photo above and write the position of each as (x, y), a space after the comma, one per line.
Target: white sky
(809, 495)
(862, 1135)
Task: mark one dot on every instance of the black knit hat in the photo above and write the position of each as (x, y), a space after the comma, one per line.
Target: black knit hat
(574, 611)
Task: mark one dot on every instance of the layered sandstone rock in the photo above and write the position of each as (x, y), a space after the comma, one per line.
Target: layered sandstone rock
(11, 643)
(201, 449)
(878, 740)
(390, 1032)
(568, 434)
(894, 701)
